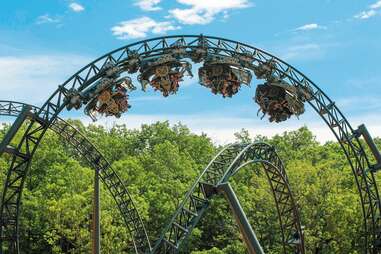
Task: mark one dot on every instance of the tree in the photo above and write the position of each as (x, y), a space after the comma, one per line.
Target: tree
(158, 163)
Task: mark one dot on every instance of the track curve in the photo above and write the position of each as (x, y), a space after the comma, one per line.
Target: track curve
(227, 163)
(88, 151)
(320, 102)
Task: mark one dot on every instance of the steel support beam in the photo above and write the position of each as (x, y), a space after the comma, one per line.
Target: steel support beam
(14, 128)
(85, 150)
(226, 163)
(96, 215)
(247, 231)
(372, 146)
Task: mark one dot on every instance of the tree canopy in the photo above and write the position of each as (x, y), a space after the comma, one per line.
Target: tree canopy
(158, 163)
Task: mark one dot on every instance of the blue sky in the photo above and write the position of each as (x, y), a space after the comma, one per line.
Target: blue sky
(337, 43)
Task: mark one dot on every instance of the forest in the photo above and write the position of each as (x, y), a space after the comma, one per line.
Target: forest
(158, 163)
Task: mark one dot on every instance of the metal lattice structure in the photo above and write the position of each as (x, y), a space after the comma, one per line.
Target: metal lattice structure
(227, 163)
(85, 150)
(185, 46)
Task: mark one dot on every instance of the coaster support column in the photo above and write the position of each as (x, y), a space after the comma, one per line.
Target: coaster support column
(247, 231)
(96, 216)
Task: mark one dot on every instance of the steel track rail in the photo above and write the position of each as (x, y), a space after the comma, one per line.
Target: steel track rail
(227, 163)
(95, 159)
(320, 102)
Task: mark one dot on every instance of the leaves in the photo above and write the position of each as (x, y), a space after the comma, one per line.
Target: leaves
(158, 163)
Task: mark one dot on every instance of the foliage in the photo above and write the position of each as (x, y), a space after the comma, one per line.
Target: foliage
(159, 163)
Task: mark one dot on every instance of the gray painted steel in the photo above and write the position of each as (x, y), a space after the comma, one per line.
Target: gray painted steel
(247, 231)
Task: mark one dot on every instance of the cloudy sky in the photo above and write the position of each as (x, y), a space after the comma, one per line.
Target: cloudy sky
(335, 43)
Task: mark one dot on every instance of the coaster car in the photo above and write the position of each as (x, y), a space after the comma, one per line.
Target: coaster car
(223, 75)
(246, 58)
(198, 54)
(110, 98)
(279, 100)
(265, 70)
(132, 64)
(110, 72)
(176, 50)
(164, 73)
(74, 100)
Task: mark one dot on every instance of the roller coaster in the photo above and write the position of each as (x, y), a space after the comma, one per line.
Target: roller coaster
(103, 87)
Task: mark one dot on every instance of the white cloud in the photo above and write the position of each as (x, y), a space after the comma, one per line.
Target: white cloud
(46, 19)
(33, 78)
(306, 51)
(76, 7)
(372, 11)
(148, 5)
(302, 49)
(376, 5)
(308, 27)
(204, 11)
(221, 128)
(366, 14)
(140, 27)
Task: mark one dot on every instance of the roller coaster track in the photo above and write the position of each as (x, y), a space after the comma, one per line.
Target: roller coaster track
(349, 138)
(227, 163)
(88, 152)
(287, 213)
